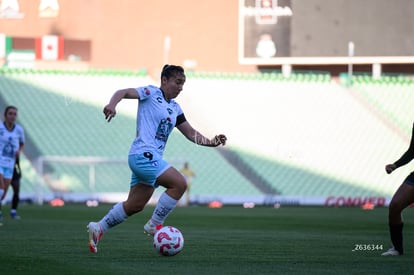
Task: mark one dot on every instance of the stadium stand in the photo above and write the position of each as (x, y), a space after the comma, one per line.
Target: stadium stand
(308, 138)
(305, 135)
(61, 114)
(392, 100)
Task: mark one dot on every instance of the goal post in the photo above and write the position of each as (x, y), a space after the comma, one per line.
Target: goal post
(60, 174)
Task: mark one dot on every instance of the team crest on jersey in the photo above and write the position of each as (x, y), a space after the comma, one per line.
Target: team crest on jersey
(164, 129)
(169, 110)
(8, 149)
(147, 91)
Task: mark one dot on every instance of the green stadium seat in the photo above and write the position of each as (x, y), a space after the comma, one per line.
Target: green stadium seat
(63, 117)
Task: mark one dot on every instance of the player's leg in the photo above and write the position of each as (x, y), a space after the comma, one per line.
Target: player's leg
(1, 184)
(402, 198)
(5, 182)
(138, 197)
(1, 193)
(16, 198)
(143, 177)
(176, 185)
(187, 199)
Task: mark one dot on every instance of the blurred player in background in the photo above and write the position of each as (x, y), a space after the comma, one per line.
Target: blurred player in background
(188, 175)
(11, 145)
(402, 198)
(15, 183)
(157, 116)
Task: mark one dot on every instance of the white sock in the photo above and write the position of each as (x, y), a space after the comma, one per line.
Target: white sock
(115, 216)
(164, 207)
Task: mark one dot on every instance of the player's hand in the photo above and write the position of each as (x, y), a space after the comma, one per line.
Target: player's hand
(219, 139)
(390, 167)
(109, 112)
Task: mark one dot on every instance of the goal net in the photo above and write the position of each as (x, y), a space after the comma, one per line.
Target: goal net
(79, 179)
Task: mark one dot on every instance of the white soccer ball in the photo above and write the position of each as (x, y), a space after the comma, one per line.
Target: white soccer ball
(168, 241)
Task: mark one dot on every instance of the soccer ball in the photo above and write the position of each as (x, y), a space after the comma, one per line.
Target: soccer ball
(168, 241)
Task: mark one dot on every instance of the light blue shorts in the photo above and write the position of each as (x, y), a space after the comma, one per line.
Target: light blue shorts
(146, 170)
(6, 172)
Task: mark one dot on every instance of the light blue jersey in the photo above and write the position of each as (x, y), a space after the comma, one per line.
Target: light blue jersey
(156, 118)
(9, 144)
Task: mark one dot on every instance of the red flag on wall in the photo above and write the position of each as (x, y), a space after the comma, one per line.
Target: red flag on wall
(49, 47)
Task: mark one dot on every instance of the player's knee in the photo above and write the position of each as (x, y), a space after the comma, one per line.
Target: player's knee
(395, 207)
(182, 186)
(179, 188)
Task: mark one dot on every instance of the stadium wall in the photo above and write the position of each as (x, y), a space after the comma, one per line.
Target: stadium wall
(204, 34)
(131, 34)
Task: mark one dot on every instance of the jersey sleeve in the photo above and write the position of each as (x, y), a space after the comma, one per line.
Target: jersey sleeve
(180, 119)
(180, 116)
(144, 92)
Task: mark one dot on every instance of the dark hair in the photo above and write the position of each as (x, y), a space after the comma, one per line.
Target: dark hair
(8, 108)
(171, 70)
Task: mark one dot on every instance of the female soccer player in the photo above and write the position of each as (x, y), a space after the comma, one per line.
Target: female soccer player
(158, 113)
(401, 199)
(11, 145)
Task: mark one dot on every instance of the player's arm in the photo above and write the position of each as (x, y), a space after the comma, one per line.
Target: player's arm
(110, 109)
(404, 159)
(21, 142)
(195, 136)
(18, 152)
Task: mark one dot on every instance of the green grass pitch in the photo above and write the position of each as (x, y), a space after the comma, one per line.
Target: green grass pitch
(230, 240)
